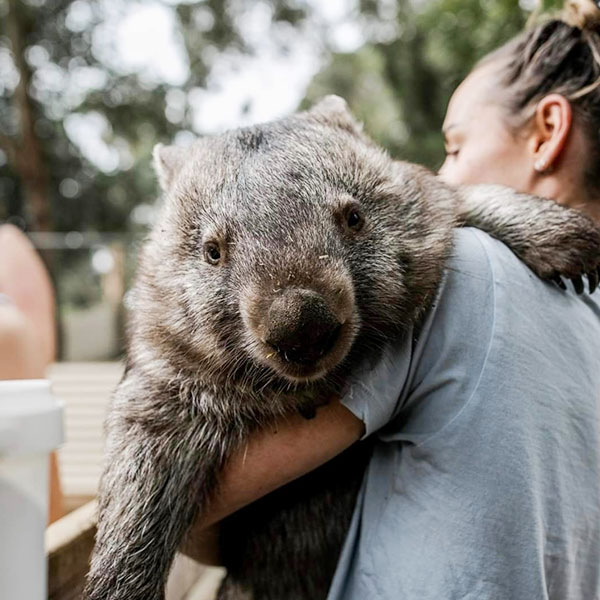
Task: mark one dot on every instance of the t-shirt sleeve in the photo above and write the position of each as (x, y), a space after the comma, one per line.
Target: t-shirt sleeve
(376, 391)
(421, 382)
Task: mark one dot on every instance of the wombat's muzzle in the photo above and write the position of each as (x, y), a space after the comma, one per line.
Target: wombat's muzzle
(301, 327)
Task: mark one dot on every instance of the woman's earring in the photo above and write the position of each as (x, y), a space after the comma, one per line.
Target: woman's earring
(541, 165)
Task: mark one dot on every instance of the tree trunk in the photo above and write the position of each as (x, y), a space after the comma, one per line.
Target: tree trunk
(25, 155)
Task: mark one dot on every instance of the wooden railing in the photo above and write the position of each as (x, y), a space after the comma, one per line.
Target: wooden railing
(69, 542)
(85, 389)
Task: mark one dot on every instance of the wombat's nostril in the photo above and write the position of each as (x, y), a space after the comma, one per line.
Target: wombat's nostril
(329, 340)
(301, 327)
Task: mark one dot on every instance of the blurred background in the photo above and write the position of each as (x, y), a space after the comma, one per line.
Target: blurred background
(88, 87)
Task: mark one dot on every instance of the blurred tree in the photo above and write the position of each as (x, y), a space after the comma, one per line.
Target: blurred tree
(399, 86)
(57, 76)
(24, 151)
(60, 78)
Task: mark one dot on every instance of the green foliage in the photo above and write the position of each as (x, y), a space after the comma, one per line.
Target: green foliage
(82, 196)
(400, 87)
(398, 83)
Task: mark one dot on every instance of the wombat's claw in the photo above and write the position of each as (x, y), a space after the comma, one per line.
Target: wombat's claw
(578, 284)
(593, 280)
(558, 281)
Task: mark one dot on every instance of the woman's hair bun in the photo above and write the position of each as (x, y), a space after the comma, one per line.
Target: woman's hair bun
(584, 14)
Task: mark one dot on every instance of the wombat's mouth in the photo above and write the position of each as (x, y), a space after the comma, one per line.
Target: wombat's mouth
(300, 365)
(300, 354)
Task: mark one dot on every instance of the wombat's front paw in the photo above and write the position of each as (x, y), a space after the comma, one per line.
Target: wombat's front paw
(571, 251)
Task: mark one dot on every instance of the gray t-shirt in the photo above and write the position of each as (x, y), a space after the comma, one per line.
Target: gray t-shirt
(485, 479)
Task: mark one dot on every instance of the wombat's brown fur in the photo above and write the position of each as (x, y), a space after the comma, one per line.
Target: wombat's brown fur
(284, 255)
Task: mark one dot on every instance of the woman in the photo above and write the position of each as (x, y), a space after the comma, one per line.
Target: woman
(485, 479)
(528, 116)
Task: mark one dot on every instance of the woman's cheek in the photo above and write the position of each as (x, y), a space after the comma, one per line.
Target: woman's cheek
(464, 170)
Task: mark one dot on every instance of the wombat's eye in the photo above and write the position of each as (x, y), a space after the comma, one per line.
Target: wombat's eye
(212, 253)
(355, 219)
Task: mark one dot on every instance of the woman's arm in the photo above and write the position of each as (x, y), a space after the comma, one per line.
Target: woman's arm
(270, 459)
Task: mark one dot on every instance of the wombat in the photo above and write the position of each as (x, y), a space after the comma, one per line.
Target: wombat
(284, 254)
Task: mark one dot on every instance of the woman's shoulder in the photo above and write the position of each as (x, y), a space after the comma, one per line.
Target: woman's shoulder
(466, 299)
(492, 302)
(477, 254)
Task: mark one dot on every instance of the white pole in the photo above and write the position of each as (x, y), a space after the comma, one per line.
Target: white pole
(30, 428)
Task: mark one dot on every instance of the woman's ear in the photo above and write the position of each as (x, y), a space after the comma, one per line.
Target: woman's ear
(552, 123)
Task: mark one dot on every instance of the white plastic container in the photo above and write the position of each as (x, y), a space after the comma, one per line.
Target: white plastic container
(30, 428)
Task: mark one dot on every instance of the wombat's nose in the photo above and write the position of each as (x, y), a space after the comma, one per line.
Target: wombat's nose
(301, 327)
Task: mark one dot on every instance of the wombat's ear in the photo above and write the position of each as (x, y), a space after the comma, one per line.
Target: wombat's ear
(167, 162)
(334, 110)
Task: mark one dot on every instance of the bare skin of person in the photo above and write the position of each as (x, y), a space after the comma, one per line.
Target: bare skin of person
(27, 334)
